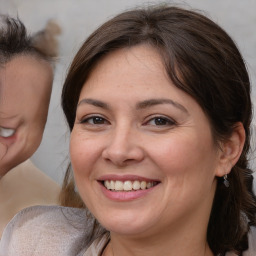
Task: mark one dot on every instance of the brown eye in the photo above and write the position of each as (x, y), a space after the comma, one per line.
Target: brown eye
(94, 120)
(160, 121)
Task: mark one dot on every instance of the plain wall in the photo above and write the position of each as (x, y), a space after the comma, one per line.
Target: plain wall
(79, 18)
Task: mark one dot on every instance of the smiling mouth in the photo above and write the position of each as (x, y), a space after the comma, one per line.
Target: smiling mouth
(6, 132)
(128, 185)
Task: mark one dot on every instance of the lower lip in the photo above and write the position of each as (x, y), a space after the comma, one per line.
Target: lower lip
(8, 140)
(125, 196)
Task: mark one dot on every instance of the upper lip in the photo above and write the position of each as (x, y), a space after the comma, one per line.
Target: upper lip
(125, 178)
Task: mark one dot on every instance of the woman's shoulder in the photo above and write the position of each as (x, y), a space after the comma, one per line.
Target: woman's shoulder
(252, 242)
(51, 230)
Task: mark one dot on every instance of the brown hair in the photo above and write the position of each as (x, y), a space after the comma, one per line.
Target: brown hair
(202, 60)
(15, 40)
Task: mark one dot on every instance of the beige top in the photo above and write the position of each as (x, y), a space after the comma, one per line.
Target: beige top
(61, 231)
(24, 186)
(51, 231)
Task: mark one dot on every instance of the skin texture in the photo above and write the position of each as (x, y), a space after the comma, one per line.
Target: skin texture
(25, 89)
(119, 134)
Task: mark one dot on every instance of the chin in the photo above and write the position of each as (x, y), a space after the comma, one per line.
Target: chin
(125, 225)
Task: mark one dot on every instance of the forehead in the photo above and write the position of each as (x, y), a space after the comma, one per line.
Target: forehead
(23, 80)
(142, 55)
(128, 66)
(135, 74)
(24, 75)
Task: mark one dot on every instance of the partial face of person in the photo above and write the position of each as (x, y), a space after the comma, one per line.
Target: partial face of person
(25, 89)
(142, 151)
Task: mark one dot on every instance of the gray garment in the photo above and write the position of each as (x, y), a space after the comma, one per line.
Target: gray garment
(61, 231)
(49, 231)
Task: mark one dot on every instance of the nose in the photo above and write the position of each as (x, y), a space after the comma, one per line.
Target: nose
(124, 147)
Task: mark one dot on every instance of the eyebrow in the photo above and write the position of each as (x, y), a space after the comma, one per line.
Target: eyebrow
(96, 103)
(153, 102)
(141, 105)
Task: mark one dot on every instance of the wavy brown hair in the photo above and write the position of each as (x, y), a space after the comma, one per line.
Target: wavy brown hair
(202, 60)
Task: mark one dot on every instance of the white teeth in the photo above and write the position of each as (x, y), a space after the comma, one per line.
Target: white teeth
(136, 185)
(6, 132)
(112, 184)
(143, 185)
(119, 185)
(149, 185)
(107, 184)
(127, 185)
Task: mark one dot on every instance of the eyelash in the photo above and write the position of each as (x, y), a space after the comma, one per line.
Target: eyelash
(86, 120)
(99, 120)
(162, 119)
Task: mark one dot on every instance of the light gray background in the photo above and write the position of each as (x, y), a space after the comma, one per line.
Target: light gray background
(78, 18)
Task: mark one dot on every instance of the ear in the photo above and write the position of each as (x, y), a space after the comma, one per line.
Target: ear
(231, 150)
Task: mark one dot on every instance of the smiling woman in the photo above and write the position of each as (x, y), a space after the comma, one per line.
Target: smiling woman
(158, 105)
(133, 147)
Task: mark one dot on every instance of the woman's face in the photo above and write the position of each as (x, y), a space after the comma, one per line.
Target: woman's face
(142, 151)
(25, 89)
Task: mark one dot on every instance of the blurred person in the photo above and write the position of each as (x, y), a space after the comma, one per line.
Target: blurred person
(26, 76)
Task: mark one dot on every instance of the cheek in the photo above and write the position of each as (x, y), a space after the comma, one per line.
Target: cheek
(83, 156)
(83, 153)
(184, 154)
(187, 167)
(3, 149)
(32, 134)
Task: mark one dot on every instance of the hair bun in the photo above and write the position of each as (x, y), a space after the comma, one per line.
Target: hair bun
(45, 40)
